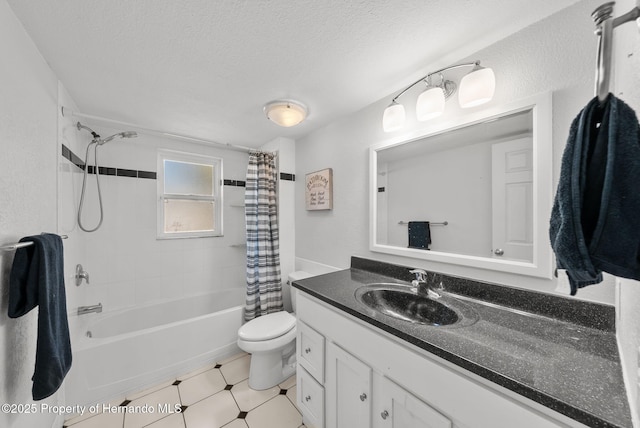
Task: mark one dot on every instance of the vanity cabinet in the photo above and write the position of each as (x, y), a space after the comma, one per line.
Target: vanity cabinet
(366, 377)
(395, 407)
(310, 374)
(348, 388)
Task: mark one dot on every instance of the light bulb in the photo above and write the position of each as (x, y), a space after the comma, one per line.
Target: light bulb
(430, 103)
(477, 87)
(393, 118)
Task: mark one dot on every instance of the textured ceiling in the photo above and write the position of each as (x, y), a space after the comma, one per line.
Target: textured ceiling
(205, 68)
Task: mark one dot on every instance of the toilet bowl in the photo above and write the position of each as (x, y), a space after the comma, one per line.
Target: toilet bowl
(271, 341)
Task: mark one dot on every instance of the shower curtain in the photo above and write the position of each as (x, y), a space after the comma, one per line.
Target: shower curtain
(264, 287)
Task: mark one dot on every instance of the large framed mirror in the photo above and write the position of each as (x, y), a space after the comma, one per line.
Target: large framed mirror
(474, 192)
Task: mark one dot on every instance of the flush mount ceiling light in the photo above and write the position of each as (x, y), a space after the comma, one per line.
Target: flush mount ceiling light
(477, 87)
(285, 112)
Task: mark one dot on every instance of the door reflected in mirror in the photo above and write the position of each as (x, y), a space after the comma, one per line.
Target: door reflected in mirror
(476, 194)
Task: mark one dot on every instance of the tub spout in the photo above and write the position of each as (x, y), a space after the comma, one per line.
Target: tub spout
(89, 309)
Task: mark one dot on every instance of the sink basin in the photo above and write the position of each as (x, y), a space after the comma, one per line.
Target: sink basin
(403, 303)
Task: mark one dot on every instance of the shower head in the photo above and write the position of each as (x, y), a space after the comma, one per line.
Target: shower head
(101, 141)
(125, 134)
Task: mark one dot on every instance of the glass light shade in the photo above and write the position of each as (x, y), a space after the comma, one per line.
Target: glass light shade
(477, 87)
(430, 103)
(393, 118)
(285, 113)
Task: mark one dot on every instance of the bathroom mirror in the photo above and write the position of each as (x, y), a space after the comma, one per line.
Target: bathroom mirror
(483, 184)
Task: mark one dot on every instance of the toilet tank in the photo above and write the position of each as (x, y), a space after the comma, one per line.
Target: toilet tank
(295, 276)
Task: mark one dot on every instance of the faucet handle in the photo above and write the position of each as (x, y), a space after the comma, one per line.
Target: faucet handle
(81, 274)
(421, 274)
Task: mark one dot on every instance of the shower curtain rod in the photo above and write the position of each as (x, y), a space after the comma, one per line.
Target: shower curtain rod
(66, 112)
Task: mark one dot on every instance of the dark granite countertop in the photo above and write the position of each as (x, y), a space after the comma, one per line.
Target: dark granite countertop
(559, 352)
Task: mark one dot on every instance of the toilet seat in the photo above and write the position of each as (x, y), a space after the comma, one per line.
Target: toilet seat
(268, 345)
(267, 327)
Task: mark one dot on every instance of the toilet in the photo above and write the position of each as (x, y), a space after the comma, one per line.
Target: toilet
(271, 341)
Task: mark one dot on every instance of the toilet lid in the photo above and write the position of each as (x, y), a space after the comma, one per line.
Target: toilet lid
(267, 326)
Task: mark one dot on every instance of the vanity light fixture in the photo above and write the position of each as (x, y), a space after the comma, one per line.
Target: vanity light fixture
(285, 112)
(477, 87)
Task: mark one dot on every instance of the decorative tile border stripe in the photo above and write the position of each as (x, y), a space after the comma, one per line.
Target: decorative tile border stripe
(121, 172)
(105, 170)
(236, 183)
(287, 176)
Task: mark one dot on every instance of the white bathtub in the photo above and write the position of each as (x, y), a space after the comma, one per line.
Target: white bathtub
(135, 348)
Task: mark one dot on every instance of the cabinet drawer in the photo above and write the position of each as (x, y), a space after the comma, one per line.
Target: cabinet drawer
(310, 349)
(310, 399)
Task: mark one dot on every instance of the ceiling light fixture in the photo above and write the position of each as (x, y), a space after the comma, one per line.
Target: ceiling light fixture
(477, 87)
(285, 112)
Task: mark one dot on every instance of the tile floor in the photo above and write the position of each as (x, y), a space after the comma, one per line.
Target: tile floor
(212, 397)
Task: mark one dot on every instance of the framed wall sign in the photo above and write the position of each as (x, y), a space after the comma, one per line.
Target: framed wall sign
(319, 190)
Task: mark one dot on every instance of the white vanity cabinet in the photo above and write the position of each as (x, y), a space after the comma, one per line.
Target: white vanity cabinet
(395, 407)
(310, 375)
(348, 388)
(366, 377)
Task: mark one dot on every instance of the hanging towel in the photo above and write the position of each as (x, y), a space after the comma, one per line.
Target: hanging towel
(37, 279)
(419, 235)
(595, 221)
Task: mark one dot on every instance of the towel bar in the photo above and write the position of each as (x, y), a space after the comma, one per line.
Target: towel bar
(16, 245)
(444, 223)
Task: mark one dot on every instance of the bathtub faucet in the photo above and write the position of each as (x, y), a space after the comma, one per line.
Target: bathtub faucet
(88, 309)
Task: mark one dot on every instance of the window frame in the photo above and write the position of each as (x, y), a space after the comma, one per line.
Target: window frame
(216, 198)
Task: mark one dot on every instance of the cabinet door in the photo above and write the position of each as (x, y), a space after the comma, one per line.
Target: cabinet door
(310, 351)
(347, 390)
(395, 407)
(310, 399)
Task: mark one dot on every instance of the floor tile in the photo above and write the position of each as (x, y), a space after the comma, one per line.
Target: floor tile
(197, 371)
(237, 370)
(174, 421)
(201, 386)
(248, 398)
(148, 391)
(103, 420)
(275, 413)
(165, 397)
(288, 383)
(212, 412)
(291, 395)
(233, 357)
(236, 423)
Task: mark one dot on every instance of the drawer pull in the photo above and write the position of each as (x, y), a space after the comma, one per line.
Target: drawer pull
(307, 398)
(307, 351)
(363, 396)
(384, 414)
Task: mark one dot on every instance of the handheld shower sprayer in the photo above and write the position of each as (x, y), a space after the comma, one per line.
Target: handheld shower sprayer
(97, 141)
(126, 134)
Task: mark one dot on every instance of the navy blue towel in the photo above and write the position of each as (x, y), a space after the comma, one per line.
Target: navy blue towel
(595, 221)
(419, 235)
(37, 279)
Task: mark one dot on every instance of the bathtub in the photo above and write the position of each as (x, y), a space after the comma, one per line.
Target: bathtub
(128, 350)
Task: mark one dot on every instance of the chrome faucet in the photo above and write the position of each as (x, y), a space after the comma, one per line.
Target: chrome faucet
(89, 309)
(422, 286)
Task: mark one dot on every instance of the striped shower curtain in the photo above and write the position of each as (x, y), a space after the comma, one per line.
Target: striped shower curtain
(264, 288)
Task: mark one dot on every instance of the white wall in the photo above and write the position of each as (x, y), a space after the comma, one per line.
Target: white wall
(556, 54)
(625, 85)
(28, 147)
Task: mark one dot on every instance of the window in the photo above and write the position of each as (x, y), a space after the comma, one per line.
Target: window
(189, 195)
